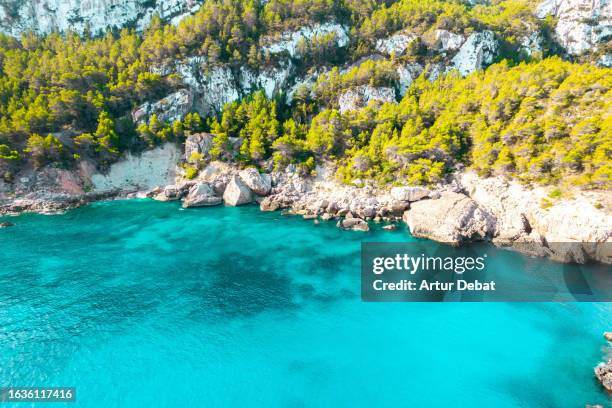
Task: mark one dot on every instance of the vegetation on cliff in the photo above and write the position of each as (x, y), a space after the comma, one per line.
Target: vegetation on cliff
(64, 98)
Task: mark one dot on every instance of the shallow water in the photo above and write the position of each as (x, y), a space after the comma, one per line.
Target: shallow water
(141, 303)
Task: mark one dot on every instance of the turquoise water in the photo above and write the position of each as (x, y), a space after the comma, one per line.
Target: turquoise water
(141, 303)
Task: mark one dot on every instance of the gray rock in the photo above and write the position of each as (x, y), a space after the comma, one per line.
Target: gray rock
(198, 143)
(201, 195)
(453, 218)
(170, 193)
(478, 51)
(237, 193)
(603, 372)
(409, 193)
(260, 184)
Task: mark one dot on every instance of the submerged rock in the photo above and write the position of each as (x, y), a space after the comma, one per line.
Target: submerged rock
(237, 193)
(201, 195)
(260, 184)
(6, 224)
(453, 218)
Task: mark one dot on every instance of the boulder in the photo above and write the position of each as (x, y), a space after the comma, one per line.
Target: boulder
(355, 224)
(409, 193)
(201, 195)
(237, 193)
(453, 218)
(603, 372)
(390, 227)
(170, 193)
(6, 224)
(260, 184)
(269, 204)
(608, 336)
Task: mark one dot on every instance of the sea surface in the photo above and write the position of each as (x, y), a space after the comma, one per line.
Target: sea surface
(144, 304)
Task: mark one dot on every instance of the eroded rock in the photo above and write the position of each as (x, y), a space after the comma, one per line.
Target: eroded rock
(237, 193)
(453, 218)
(201, 195)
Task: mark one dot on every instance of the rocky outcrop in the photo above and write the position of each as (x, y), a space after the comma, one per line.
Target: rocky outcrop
(289, 42)
(360, 96)
(237, 193)
(582, 25)
(478, 51)
(409, 193)
(169, 109)
(447, 41)
(407, 75)
(198, 144)
(156, 167)
(520, 217)
(396, 44)
(603, 372)
(45, 16)
(453, 218)
(201, 195)
(260, 184)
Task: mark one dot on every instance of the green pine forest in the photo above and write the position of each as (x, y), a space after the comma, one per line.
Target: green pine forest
(541, 118)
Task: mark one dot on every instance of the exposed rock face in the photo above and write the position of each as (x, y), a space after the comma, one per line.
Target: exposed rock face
(409, 193)
(260, 184)
(453, 218)
(173, 107)
(289, 41)
(361, 96)
(152, 168)
(532, 43)
(407, 75)
(201, 195)
(582, 24)
(603, 372)
(396, 44)
(198, 143)
(476, 53)
(520, 217)
(237, 193)
(44, 16)
(447, 41)
(212, 87)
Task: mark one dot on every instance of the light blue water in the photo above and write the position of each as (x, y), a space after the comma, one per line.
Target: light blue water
(140, 303)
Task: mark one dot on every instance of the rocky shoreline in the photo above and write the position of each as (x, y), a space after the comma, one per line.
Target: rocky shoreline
(469, 208)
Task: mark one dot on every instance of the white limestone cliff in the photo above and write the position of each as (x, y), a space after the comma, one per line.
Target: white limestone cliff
(581, 24)
(45, 16)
